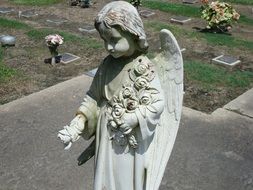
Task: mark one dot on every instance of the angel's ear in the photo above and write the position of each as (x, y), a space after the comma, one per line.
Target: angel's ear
(143, 44)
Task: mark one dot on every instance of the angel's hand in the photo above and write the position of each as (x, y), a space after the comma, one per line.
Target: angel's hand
(129, 122)
(72, 132)
(65, 137)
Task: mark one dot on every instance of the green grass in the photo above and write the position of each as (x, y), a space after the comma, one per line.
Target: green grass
(178, 9)
(36, 2)
(176, 30)
(226, 40)
(5, 71)
(245, 20)
(8, 23)
(211, 38)
(186, 10)
(243, 2)
(39, 35)
(211, 76)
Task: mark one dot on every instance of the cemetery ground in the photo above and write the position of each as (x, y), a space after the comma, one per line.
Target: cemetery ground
(207, 86)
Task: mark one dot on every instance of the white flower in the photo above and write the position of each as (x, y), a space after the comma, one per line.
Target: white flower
(117, 111)
(141, 68)
(54, 39)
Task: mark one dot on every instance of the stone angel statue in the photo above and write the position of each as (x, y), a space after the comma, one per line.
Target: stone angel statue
(133, 106)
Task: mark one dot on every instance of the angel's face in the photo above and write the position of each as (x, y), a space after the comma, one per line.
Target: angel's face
(117, 42)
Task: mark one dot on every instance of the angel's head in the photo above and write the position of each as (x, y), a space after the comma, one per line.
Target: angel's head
(121, 28)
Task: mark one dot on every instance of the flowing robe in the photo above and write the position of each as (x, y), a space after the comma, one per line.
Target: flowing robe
(120, 166)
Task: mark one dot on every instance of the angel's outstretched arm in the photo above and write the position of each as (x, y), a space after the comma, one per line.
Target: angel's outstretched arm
(84, 124)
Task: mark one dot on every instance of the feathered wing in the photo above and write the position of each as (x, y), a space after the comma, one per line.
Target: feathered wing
(169, 65)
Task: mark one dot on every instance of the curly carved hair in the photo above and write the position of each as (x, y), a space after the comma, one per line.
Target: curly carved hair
(124, 15)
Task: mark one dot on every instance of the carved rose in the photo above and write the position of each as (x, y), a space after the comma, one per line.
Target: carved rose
(145, 98)
(141, 82)
(131, 104)
(117, 111)
(128, 92)
(141, 68)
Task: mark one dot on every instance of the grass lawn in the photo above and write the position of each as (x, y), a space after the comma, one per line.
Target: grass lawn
(39, 35)
(5, 71)
(211, 38)
(186, 10)
(211, 76)
(13, 24)
(243, 2)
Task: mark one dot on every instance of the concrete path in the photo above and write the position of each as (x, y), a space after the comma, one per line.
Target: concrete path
(212, 152)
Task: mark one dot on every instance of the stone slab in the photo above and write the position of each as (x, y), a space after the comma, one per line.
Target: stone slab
(28, 13)
(146, 13)
(180, 19)
(242, 104)
(57, 21)
(87, 28)
(6, 10)
(92, 72)
(190, 1)
(68, 58)
(226, 60)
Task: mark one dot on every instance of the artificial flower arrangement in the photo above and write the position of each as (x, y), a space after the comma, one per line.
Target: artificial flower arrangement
(219, 15)
(53, 41)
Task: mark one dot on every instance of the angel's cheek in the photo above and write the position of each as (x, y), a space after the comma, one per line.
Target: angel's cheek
(122, 46)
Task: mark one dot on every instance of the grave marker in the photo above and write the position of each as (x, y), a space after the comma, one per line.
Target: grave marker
(56, 21)
(68, 57)
(28, 13)
(226, 60)
(87, 28)
(190, 1)
(180, 19)
(5, 10)
(92, 72)
(146, 13)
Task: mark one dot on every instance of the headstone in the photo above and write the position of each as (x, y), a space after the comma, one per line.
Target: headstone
(5, 10)
(7, 40)
(28, 13)
(146, 13)
(68, 57)
(56, 21)
(180, 19)
(226, 60)
(87, 29)
(92, 72)
(190, 1)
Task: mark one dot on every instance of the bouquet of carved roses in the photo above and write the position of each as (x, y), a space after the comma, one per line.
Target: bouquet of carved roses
(219, 15)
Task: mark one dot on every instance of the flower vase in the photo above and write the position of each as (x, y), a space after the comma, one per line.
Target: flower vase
(54, 53)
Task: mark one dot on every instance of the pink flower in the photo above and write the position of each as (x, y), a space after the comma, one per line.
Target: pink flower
(54, 39)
